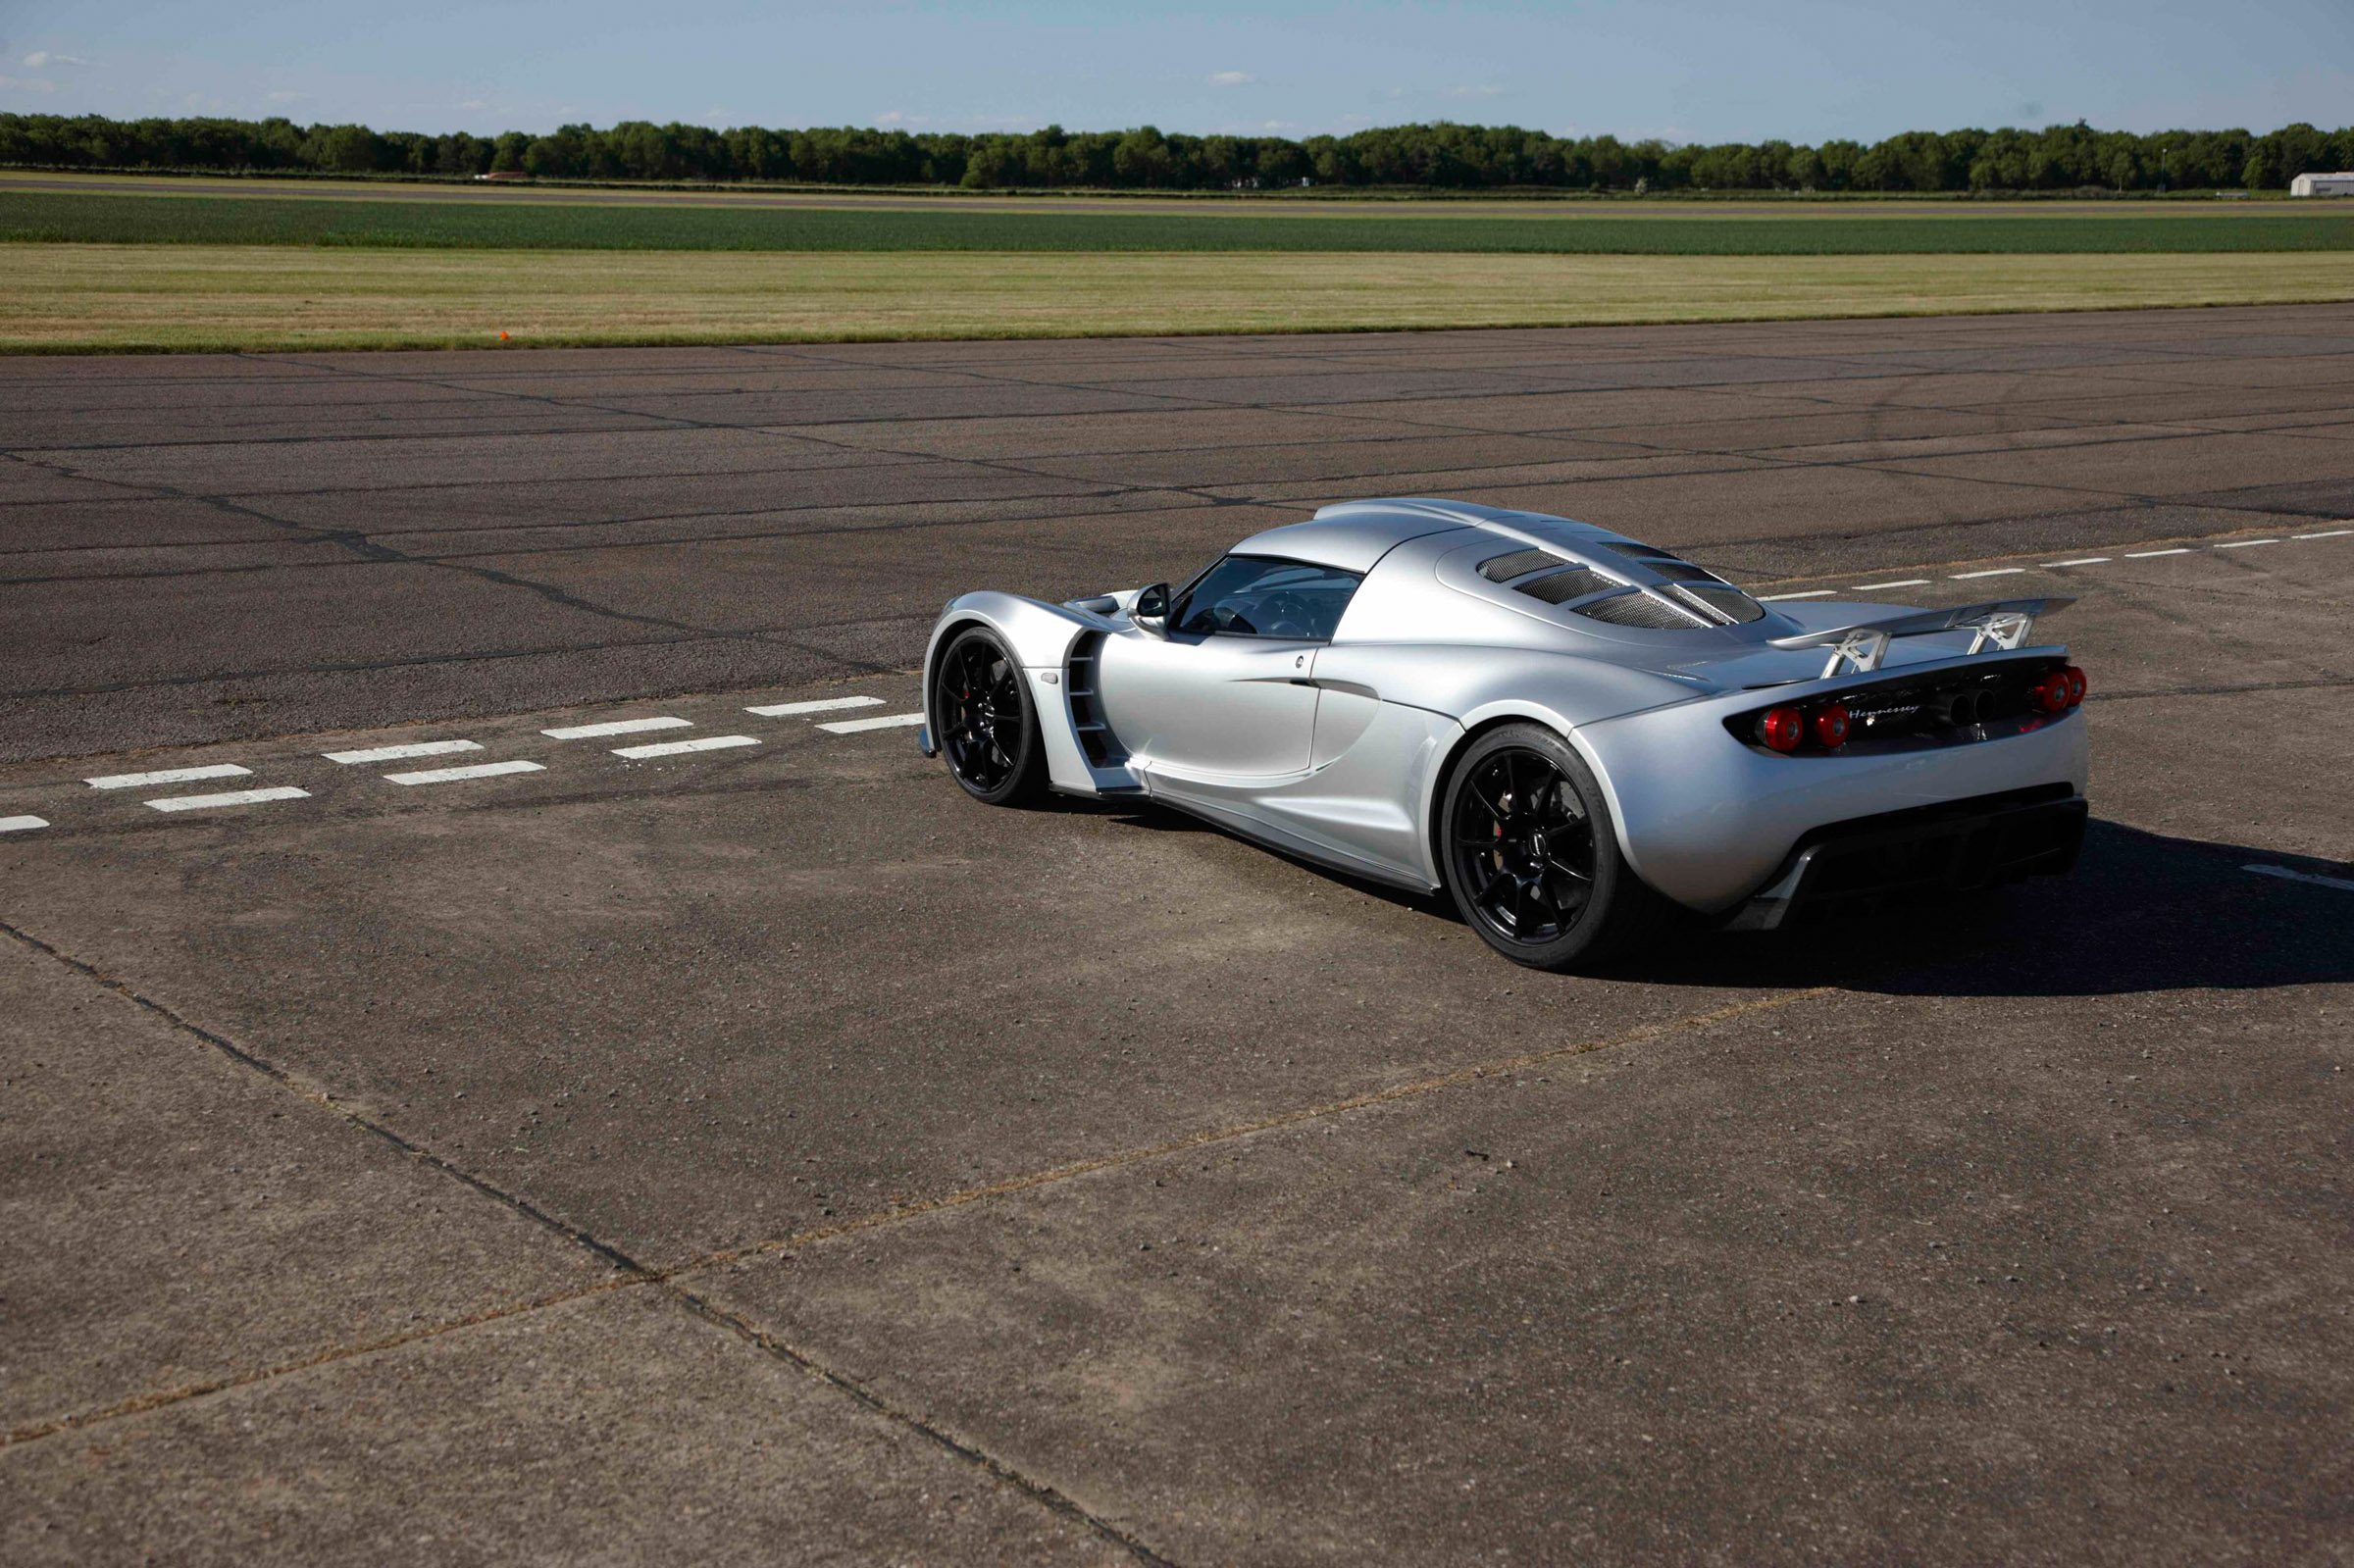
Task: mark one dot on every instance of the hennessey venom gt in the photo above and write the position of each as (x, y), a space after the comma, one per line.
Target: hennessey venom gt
(1566, 731)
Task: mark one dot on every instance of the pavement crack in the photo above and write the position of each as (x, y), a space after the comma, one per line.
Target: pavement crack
(629, 1273)
(1009, 1474)
(327, 1102)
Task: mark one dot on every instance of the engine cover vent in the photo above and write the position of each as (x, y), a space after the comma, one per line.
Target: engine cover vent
(1640, 610)
(1504, 568)
(1559, 588)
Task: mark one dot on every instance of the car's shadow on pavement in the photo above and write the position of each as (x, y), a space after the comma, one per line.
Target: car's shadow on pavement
(2141, 912)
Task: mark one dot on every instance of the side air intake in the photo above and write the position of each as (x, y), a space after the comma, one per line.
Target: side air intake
(1102, 748)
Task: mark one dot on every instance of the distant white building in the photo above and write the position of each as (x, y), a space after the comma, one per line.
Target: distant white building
(2322, 185)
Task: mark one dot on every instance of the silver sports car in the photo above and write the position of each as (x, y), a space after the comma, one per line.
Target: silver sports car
(1568, 731)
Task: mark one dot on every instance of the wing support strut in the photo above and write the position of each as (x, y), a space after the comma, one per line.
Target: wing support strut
(1859, 648)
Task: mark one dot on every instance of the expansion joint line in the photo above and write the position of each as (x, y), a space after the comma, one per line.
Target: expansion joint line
(630, 1273)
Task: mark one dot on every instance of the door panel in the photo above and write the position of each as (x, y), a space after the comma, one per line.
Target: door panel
(1232, 706)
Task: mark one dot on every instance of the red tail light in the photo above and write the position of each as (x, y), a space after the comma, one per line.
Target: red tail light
(2051, 692)
(2075, 684)
(1782, 729)
(1830, 726)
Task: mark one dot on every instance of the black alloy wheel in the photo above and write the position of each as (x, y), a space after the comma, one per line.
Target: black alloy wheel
(1523, 846)
(987, 729)
(1530, 854)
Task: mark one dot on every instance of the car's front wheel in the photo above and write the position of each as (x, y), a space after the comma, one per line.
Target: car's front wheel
(1531, 857)
(988, 725)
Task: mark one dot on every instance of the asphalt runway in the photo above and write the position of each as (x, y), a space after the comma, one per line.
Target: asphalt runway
(760, 1152)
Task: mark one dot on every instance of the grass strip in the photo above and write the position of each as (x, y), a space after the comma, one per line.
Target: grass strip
(80, 298)
(49, 218)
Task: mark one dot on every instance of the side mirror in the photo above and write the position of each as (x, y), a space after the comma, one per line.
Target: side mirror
(1151, 609)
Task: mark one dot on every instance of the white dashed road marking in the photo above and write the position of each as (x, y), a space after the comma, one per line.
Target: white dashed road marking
(22, 824)
(418, 748)
(2288, 875)
(472, 770)
(135, 781)
(234, 797)
(2144, 555)
(1990, 571)
(2245, 544)
(2333, 534)
(674, 748)
(1763, 598)
(890, 721)
(784, 710)
(2081, 560)
(1908, 582)
(617, 727)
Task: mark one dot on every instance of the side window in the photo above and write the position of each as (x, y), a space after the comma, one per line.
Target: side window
(1253, 597)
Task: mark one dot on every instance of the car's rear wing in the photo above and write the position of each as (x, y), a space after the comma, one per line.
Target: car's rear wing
(1859, 647)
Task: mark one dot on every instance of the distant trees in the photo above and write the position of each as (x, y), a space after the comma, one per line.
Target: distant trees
(1443, 156)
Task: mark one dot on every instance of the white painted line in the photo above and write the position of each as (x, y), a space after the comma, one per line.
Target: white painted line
(2081, 560)
(133, 781)
(1763, 598)
(617, 727)
(890, 721)
(1991, 571)
(472, 770)
(1908, 582)
(22, 824)
(674, 748)
(2245, 544)
(784, 710)
(417, 748)
(2288, 875)
(2333, 534)
(2144, 555)
(234, 797)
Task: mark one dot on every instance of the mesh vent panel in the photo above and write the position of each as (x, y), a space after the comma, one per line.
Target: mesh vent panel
(1559, 588)
(1641, 610)
(1503, 568)
(1732, 601)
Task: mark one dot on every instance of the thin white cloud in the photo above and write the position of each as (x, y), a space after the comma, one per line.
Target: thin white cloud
(41, 58)
(1232, 78)
(27, 84)
(284, 96)
(472, 104)
(1482, 91)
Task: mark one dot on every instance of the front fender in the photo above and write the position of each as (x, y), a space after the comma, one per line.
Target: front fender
(1039, 635)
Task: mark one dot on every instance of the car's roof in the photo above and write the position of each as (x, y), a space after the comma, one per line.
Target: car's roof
(1353, 534)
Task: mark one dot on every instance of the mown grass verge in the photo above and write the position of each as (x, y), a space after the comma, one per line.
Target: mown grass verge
(74, 298)
(46, 217)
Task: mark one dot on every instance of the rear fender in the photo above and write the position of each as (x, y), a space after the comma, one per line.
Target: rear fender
(1480, 688)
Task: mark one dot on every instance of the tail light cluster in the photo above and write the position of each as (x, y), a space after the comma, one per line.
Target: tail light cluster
(1827, 723)
(1791, 726)
(2059, 690)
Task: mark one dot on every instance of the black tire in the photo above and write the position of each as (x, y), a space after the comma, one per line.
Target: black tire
(1531, 857)
(988, 727)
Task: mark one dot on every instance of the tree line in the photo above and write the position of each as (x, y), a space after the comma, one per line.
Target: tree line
(1442, 156)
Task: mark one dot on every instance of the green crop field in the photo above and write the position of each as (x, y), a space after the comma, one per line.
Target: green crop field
(47, 218)
(91, 262)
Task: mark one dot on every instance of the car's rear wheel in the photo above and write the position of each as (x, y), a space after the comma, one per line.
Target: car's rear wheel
(988, 725)
(1531, 857)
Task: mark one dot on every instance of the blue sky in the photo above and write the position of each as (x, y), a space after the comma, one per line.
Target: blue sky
(1685, 70)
